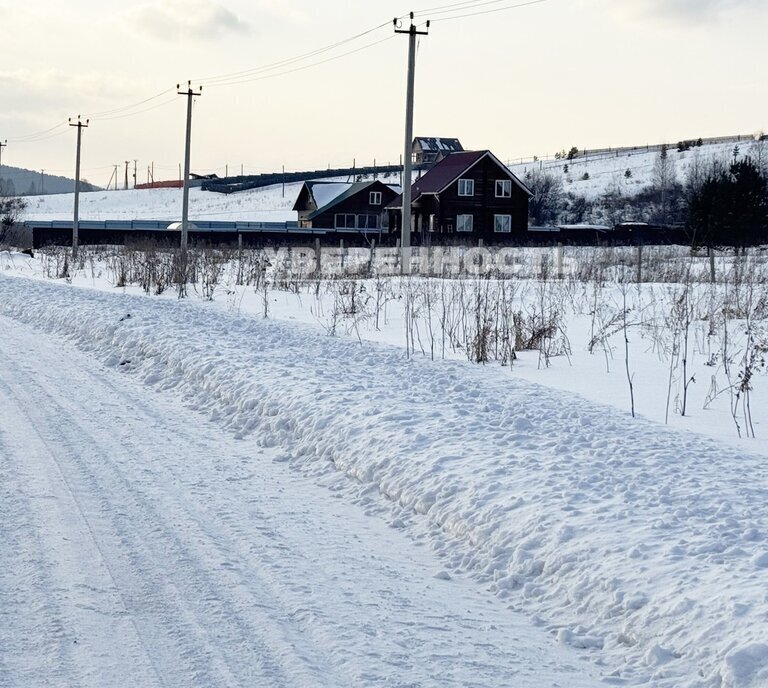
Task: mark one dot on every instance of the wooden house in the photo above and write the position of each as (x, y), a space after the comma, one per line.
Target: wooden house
(465, 197)
(430, 150)
(345, 207)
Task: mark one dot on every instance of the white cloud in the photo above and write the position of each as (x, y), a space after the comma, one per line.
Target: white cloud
(55, 92)
(693, 11)
(172, 20)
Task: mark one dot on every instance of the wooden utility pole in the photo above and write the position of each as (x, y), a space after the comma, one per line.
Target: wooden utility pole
(190, 94)
(125, 187)
(405, 229)
(80, 126)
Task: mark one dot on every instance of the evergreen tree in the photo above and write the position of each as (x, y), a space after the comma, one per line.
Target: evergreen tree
(730, 208)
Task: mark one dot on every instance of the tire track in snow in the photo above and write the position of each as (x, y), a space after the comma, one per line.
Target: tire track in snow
(216, 652)
(78, 604)
(377, 618)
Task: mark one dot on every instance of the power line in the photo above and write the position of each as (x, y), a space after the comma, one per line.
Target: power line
(438, 8)
(138, 112)
(457, 7)
(107, 113)
(24, 138)
(285, 62)
(42, 138)
(498, 9)
(303, 67)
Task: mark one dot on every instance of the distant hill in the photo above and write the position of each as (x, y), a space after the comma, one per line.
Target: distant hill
(16, 181)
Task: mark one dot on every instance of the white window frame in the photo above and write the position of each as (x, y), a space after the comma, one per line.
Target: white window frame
(469, 187)
(508, 219)
(346, 216)
(506, 186)
(374, 198)
(461, 223)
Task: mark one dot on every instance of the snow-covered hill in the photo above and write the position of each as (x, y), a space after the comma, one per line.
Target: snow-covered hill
(604, 171)
(607, 171)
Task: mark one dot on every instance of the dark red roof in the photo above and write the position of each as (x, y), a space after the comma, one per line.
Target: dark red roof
(448, 170)
(442, 174)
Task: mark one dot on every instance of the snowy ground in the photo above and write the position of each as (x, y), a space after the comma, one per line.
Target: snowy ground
(637, 546)
(440, 324)
(143, 546)
(258, 205)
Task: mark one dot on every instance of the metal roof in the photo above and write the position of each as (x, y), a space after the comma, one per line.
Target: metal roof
(353, 189)
(428, 143)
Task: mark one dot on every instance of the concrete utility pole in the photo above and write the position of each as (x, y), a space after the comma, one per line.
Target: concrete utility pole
(125, 184)
(3, 144)
(405, 230)
(185, 196)
(80, 126)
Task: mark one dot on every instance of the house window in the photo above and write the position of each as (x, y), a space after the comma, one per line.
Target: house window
(466, 187)
(368, 221)
(464, 223)
(374, 198)
(344, 221)
(503, 188)
(502, 223)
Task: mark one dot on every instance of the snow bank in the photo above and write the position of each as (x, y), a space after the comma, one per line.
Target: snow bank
(642, 546)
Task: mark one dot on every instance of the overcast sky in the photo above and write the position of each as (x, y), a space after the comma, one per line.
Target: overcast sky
(531, 80)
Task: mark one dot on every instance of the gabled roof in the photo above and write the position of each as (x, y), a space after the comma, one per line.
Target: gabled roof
(320, 192)
(449, 169)
(350, 191)
(437, 144)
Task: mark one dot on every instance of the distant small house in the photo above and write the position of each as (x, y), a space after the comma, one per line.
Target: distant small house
(470, 195)
(344, 207)
(429, 150)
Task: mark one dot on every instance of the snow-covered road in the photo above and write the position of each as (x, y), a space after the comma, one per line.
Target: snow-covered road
(142, 545)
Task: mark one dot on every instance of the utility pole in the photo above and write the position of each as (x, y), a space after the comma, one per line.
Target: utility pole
(405, 230)
(3, 144)
(125, 185)
(42, 182)
(185, 196)
(80, 126)
(117, 175)
(135, 163)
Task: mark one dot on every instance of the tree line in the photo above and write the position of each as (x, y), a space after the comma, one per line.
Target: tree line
(720, 202)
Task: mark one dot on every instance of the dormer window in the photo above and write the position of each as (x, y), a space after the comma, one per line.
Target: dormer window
(374, 198)
(466, 187)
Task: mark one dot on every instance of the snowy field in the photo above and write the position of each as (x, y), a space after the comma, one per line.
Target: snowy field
(639, 546)
(257, 205)
(272, 204)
